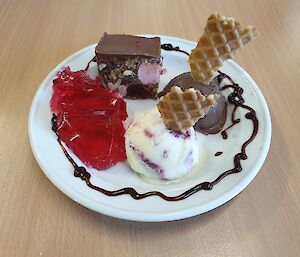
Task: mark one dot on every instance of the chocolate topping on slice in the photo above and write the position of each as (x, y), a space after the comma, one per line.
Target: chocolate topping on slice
(127, 45)
(215, 119)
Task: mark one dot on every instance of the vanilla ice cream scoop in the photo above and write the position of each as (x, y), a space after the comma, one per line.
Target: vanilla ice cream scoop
(157, 152)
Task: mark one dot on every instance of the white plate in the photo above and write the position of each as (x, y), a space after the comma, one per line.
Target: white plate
(58, 169)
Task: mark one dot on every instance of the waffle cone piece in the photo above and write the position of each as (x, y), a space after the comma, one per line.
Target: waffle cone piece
(181, 110)
(220, 41)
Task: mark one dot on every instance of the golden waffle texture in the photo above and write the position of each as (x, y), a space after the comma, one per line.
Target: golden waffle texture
(181, 110)
(220, 41)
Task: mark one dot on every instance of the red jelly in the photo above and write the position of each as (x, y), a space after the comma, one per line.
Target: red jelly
(89, 119)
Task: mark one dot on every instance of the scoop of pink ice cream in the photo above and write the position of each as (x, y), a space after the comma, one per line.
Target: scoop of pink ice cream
(148, 73)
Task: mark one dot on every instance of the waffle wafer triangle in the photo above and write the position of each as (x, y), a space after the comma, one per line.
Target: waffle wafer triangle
(220, 41)
(181, 110)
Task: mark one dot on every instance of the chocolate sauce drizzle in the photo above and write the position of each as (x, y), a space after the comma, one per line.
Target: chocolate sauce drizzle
(234, 98)
(218, 153)
(89, 63)
(170, 47)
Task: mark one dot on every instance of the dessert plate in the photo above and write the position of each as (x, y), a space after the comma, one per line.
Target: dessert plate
(58, 169)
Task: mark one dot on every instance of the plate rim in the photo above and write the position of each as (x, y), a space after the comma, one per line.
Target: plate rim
(154, 217)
